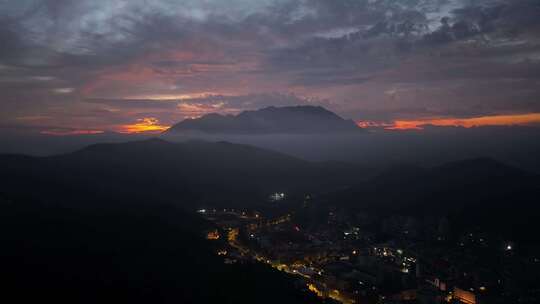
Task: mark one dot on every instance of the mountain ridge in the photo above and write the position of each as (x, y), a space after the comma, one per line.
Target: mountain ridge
(270, 120)
(470, 185)
(193, 172)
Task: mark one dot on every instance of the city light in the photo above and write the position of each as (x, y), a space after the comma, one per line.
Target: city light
(247, 234)
(213, 235)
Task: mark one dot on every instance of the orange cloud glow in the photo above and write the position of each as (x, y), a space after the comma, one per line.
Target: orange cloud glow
(144, 125)
(494, 120)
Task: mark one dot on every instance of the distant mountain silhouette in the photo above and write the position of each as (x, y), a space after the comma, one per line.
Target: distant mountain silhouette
(271, 120)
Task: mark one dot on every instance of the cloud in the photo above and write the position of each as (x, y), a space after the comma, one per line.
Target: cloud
(528, 119)
(111, 59)
(143, 125)
(134, 103)
(64, 90)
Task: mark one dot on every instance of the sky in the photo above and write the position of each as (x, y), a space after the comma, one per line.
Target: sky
(92, 66)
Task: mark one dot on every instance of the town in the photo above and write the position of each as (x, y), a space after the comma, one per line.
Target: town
(365, 258)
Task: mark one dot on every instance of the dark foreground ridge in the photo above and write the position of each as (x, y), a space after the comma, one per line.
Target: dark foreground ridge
(129, 222)
(115, 223)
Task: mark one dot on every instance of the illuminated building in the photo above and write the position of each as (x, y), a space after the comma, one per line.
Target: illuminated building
(464, 296)
(212, 235)
(233, 235)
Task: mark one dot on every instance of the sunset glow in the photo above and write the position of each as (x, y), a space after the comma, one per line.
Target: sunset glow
(144, 125)
(270, 151)
(495, 120)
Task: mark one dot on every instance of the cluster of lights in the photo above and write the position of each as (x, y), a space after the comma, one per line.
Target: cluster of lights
(384, 251)
(277, 196)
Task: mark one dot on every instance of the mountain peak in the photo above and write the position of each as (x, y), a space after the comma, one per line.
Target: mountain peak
(303, 109)
(302, 119)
